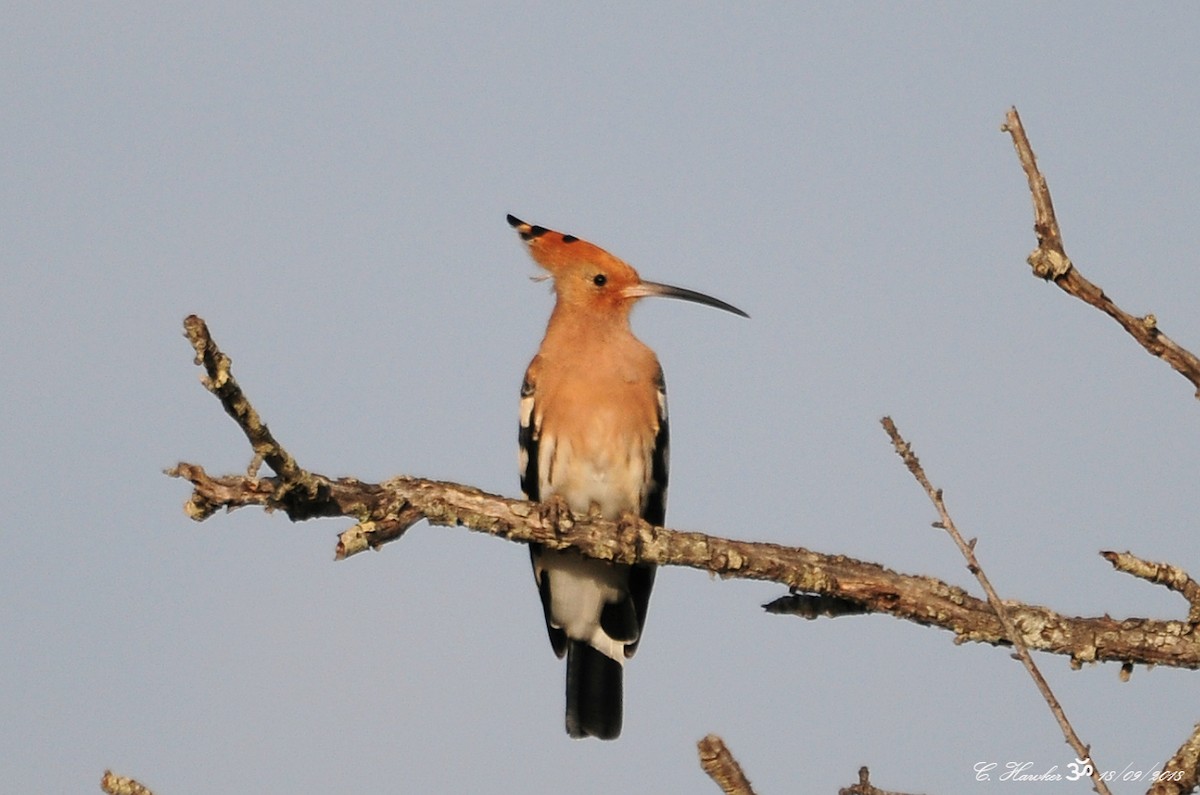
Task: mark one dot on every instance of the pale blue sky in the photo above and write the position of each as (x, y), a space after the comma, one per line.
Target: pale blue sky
(328, 186)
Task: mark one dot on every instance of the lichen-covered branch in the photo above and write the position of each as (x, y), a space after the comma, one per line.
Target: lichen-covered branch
(721, 767)
(119, 785)
(219, 380)
(1181, 773)
(292, 480)
(1050, 261)
(383, 511)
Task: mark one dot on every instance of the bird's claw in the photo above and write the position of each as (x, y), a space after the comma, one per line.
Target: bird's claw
(629, 530)
(555, 515)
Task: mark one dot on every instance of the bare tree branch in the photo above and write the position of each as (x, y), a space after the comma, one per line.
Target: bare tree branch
(946, 522)
(722, 768)
(220, 382)
(383, 511)
(1050, 261)
(295, 487)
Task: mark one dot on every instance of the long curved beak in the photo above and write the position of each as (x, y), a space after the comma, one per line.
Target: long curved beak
(646, 289)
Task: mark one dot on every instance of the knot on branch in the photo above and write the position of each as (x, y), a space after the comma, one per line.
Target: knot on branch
(1049, 264)
(814, 606)
(308, 497)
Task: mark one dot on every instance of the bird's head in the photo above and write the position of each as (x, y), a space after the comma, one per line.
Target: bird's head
(586, 277)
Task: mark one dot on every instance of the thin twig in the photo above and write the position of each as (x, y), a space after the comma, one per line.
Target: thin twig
(1171, 577)
(722, 768)
(968, 552)
(1050, 261)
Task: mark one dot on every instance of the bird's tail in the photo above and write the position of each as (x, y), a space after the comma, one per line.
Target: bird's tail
(594, 685)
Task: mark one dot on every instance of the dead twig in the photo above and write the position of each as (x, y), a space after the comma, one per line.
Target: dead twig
(1002, 612)
(296, 488)
(1050, 262)
(1164, 574)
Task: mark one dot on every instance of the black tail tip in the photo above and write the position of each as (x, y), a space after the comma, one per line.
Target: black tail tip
(515, 222)
(594, 693)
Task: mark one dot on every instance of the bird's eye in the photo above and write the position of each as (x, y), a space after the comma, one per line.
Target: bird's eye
(599, 280)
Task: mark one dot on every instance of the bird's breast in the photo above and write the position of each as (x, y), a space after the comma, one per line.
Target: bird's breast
(596, 450)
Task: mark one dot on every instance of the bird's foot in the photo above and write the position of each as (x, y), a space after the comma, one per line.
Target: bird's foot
(629, 531)
(555, 516)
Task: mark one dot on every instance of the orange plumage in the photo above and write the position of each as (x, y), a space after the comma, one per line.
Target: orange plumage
(594, 433)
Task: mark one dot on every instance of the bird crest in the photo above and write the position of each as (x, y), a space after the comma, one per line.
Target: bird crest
(587, 277)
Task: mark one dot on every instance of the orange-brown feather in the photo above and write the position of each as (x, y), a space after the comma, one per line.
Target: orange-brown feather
(575, 265)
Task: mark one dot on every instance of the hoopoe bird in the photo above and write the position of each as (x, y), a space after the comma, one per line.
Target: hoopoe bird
(593, 439)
